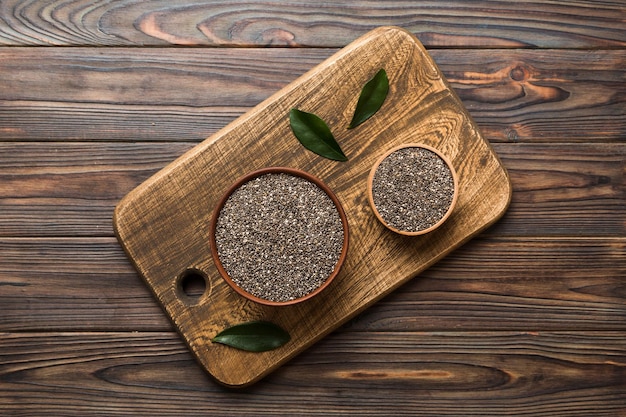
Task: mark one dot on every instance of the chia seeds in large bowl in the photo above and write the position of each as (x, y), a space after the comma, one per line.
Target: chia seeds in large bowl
(412, 189)
(279, 236)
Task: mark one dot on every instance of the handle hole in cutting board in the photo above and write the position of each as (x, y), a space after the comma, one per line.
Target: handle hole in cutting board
(192, 285)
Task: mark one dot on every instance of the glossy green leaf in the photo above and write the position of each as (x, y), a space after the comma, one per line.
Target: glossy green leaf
(315, 135)
(372, 97)
(254, 336)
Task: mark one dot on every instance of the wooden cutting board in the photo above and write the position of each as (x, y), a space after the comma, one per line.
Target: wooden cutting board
(163, 224)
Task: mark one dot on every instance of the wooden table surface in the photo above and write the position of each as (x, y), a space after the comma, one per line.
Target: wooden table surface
(527, 319)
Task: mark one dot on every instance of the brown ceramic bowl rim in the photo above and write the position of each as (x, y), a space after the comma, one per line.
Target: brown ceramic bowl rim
(277, 170)
(370, 194)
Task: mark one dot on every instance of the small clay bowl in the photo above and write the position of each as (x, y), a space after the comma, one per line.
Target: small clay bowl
(381, 218)
(248, 177)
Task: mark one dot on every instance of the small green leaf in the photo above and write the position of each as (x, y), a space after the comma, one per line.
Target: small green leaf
(254, 336)
(371, 99)
(314, 134)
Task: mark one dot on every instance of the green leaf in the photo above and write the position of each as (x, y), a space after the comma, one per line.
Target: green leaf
(254, 336)
(314, 134)
(371, 99)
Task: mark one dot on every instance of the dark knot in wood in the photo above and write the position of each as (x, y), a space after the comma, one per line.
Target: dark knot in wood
(519, 73)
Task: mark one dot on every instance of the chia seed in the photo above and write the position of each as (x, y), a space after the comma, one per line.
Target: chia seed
(412, 189)
(279, 236)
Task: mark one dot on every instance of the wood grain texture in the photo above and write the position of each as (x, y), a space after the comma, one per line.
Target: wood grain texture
(60, 189)
(489, 283)
(571, 182)
(287, 23)
(497, 284)
(526, 320)
(70, 189)
(163, 227)
(131, 94)
(73, 284)
(416, 374)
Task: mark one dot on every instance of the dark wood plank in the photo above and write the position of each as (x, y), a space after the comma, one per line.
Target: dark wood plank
(507, 283)
(487, 284)
(541, 96)
(73, 284)
(166, 77)
(565, 190)
(32, 120)
(376, 374)
(71, 189)
(130, 94)
(64, 189)
(524, 23)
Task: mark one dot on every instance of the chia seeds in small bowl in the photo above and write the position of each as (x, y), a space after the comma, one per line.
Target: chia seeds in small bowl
(412, 189)
(278, 236)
